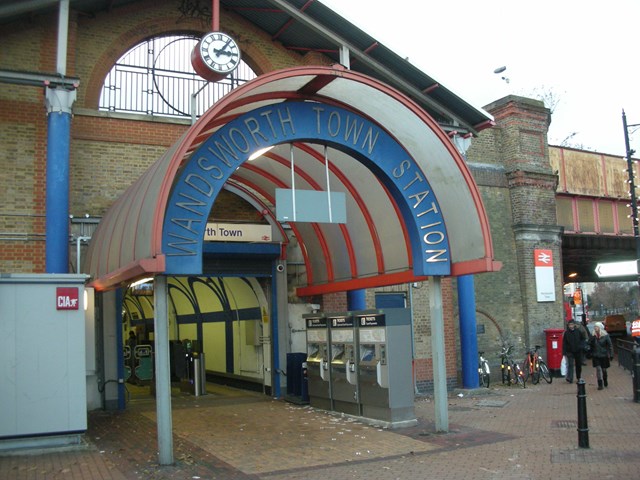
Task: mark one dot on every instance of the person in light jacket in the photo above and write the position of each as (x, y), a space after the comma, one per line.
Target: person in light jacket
(602, 353)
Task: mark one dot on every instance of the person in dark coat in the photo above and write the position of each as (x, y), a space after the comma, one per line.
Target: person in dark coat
(573, 342)
(602, 353)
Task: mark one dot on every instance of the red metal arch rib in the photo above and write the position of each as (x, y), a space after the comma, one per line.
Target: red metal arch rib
(145, 184)
(239, 181)
(265, 208)
(359, 201)
(316, 228)
(316, 186)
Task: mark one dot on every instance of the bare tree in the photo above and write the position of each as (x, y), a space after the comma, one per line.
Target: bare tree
(614, 296)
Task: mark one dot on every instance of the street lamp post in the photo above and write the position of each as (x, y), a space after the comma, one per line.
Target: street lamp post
(632, 190)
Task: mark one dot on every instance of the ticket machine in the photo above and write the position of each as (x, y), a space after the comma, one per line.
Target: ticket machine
(318, 371)
(344, 373)
(384, 366)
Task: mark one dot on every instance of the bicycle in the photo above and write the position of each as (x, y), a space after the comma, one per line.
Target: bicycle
(512, 373)
(534, 367)
(484, 373)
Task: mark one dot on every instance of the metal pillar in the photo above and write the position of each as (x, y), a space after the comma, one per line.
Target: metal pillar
(163, 372)
(119, 294)
(635, 355)
(58, 102)
(583, 427)
(468, 332)
(632, 190)
(438, 355)
(278, 335)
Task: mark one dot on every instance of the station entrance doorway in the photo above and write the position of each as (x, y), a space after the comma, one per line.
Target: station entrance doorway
(219, 323)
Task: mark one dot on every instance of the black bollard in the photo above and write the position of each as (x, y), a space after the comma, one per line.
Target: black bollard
(636, 374)
(583, 428)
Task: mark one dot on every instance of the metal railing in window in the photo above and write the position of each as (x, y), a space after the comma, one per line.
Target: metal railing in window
(156, 78)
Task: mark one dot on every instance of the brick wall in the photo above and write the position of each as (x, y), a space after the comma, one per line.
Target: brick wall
(522, 215)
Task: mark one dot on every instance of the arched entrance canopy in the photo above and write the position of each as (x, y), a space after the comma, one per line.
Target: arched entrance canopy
(413, 208)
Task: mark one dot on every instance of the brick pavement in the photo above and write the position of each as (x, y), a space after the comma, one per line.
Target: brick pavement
(499, 433)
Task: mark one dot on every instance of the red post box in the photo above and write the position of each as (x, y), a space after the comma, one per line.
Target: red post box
(554, 349)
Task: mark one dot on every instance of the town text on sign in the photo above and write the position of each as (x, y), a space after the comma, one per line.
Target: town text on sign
(230, 232)
(67, 298)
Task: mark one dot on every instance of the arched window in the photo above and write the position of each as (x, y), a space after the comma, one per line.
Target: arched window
(156, 78)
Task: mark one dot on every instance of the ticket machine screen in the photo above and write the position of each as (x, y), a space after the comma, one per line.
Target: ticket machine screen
(313, 350)
(337, 352)
(367, 353)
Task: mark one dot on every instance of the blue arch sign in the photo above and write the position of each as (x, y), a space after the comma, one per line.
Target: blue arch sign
(211, 165)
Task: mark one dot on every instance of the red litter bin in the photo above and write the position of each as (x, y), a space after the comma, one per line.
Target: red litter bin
(554, 349)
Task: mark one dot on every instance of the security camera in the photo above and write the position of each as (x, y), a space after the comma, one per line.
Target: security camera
(280, 267)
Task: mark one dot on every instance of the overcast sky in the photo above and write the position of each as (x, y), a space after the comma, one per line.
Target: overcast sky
(584, 52)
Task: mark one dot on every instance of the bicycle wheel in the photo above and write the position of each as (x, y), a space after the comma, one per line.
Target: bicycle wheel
(535, 371)
(506, 374)
(526, 368)
(485, 375)
(544, 371)
(518, 376)
(535, 377)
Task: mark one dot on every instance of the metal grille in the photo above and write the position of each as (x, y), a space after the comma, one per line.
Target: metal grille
(156, 78)
(564, 424)
(624, 219)
(605, 215)
(585, 215)
(564, 212)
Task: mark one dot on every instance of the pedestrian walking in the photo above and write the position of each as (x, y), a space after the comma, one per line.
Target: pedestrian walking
(573, 343)
(602, 353)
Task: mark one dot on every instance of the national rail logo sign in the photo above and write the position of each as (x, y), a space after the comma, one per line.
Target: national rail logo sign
(545, 285)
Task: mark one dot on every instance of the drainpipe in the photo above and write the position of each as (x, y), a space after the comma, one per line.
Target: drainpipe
(78, 241)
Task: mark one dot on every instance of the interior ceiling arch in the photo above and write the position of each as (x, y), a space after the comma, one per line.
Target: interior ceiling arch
(373, 248)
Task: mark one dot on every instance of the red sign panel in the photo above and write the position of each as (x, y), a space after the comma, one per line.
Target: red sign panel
(542, 258)
(67, 298)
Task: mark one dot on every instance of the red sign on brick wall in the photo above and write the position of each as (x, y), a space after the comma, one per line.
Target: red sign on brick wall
(67, 298)
(545, 282)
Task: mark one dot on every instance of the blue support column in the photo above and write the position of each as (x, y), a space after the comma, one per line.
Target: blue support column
(468, 332)
(356, 300)
(59, 102)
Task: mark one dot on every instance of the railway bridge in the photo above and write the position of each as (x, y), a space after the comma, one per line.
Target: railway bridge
(593, 207)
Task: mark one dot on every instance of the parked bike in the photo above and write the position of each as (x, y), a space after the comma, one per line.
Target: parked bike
(484, 373)
(534, 367)
(512, 373)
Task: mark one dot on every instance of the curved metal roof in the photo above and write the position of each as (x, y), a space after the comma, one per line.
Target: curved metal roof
(372, 248)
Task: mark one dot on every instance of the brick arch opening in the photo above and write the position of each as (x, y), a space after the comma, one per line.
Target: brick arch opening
(248, 39)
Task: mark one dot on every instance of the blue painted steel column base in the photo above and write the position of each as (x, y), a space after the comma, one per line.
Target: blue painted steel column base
(468, 332)
(58, 103)
(356, 300)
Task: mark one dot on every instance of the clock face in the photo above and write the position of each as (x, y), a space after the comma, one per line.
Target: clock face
(219, 52)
